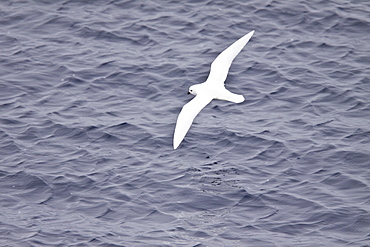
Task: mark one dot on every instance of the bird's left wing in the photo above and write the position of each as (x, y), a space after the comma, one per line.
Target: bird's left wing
(220, 66)
(188, 113)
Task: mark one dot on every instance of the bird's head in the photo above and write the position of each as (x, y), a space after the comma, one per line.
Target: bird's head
(193, 90)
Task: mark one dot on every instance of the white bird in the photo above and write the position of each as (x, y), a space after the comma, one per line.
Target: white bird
(212, 88)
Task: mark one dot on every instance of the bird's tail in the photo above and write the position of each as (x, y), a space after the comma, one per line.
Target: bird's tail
(229, 96)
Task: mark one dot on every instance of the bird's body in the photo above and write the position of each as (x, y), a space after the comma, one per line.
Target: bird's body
(212, 88)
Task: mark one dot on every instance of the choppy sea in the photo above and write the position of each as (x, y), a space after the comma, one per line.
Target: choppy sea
(89, 96)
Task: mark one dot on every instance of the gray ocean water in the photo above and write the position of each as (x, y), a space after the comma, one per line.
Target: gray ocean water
(90, 92)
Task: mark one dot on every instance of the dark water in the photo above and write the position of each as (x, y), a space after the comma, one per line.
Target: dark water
(89, 96)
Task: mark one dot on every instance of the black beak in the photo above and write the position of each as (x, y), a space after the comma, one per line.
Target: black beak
(188, 92)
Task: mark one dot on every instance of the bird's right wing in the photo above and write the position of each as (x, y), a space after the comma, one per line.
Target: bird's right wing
(220, 66)
(188, 113)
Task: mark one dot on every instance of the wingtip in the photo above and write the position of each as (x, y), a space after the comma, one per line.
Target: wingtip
(175, 145)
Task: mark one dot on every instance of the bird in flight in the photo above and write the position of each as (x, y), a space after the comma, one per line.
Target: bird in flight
(212, 88)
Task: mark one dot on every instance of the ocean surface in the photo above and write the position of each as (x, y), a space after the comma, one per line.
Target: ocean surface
(89, 96)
